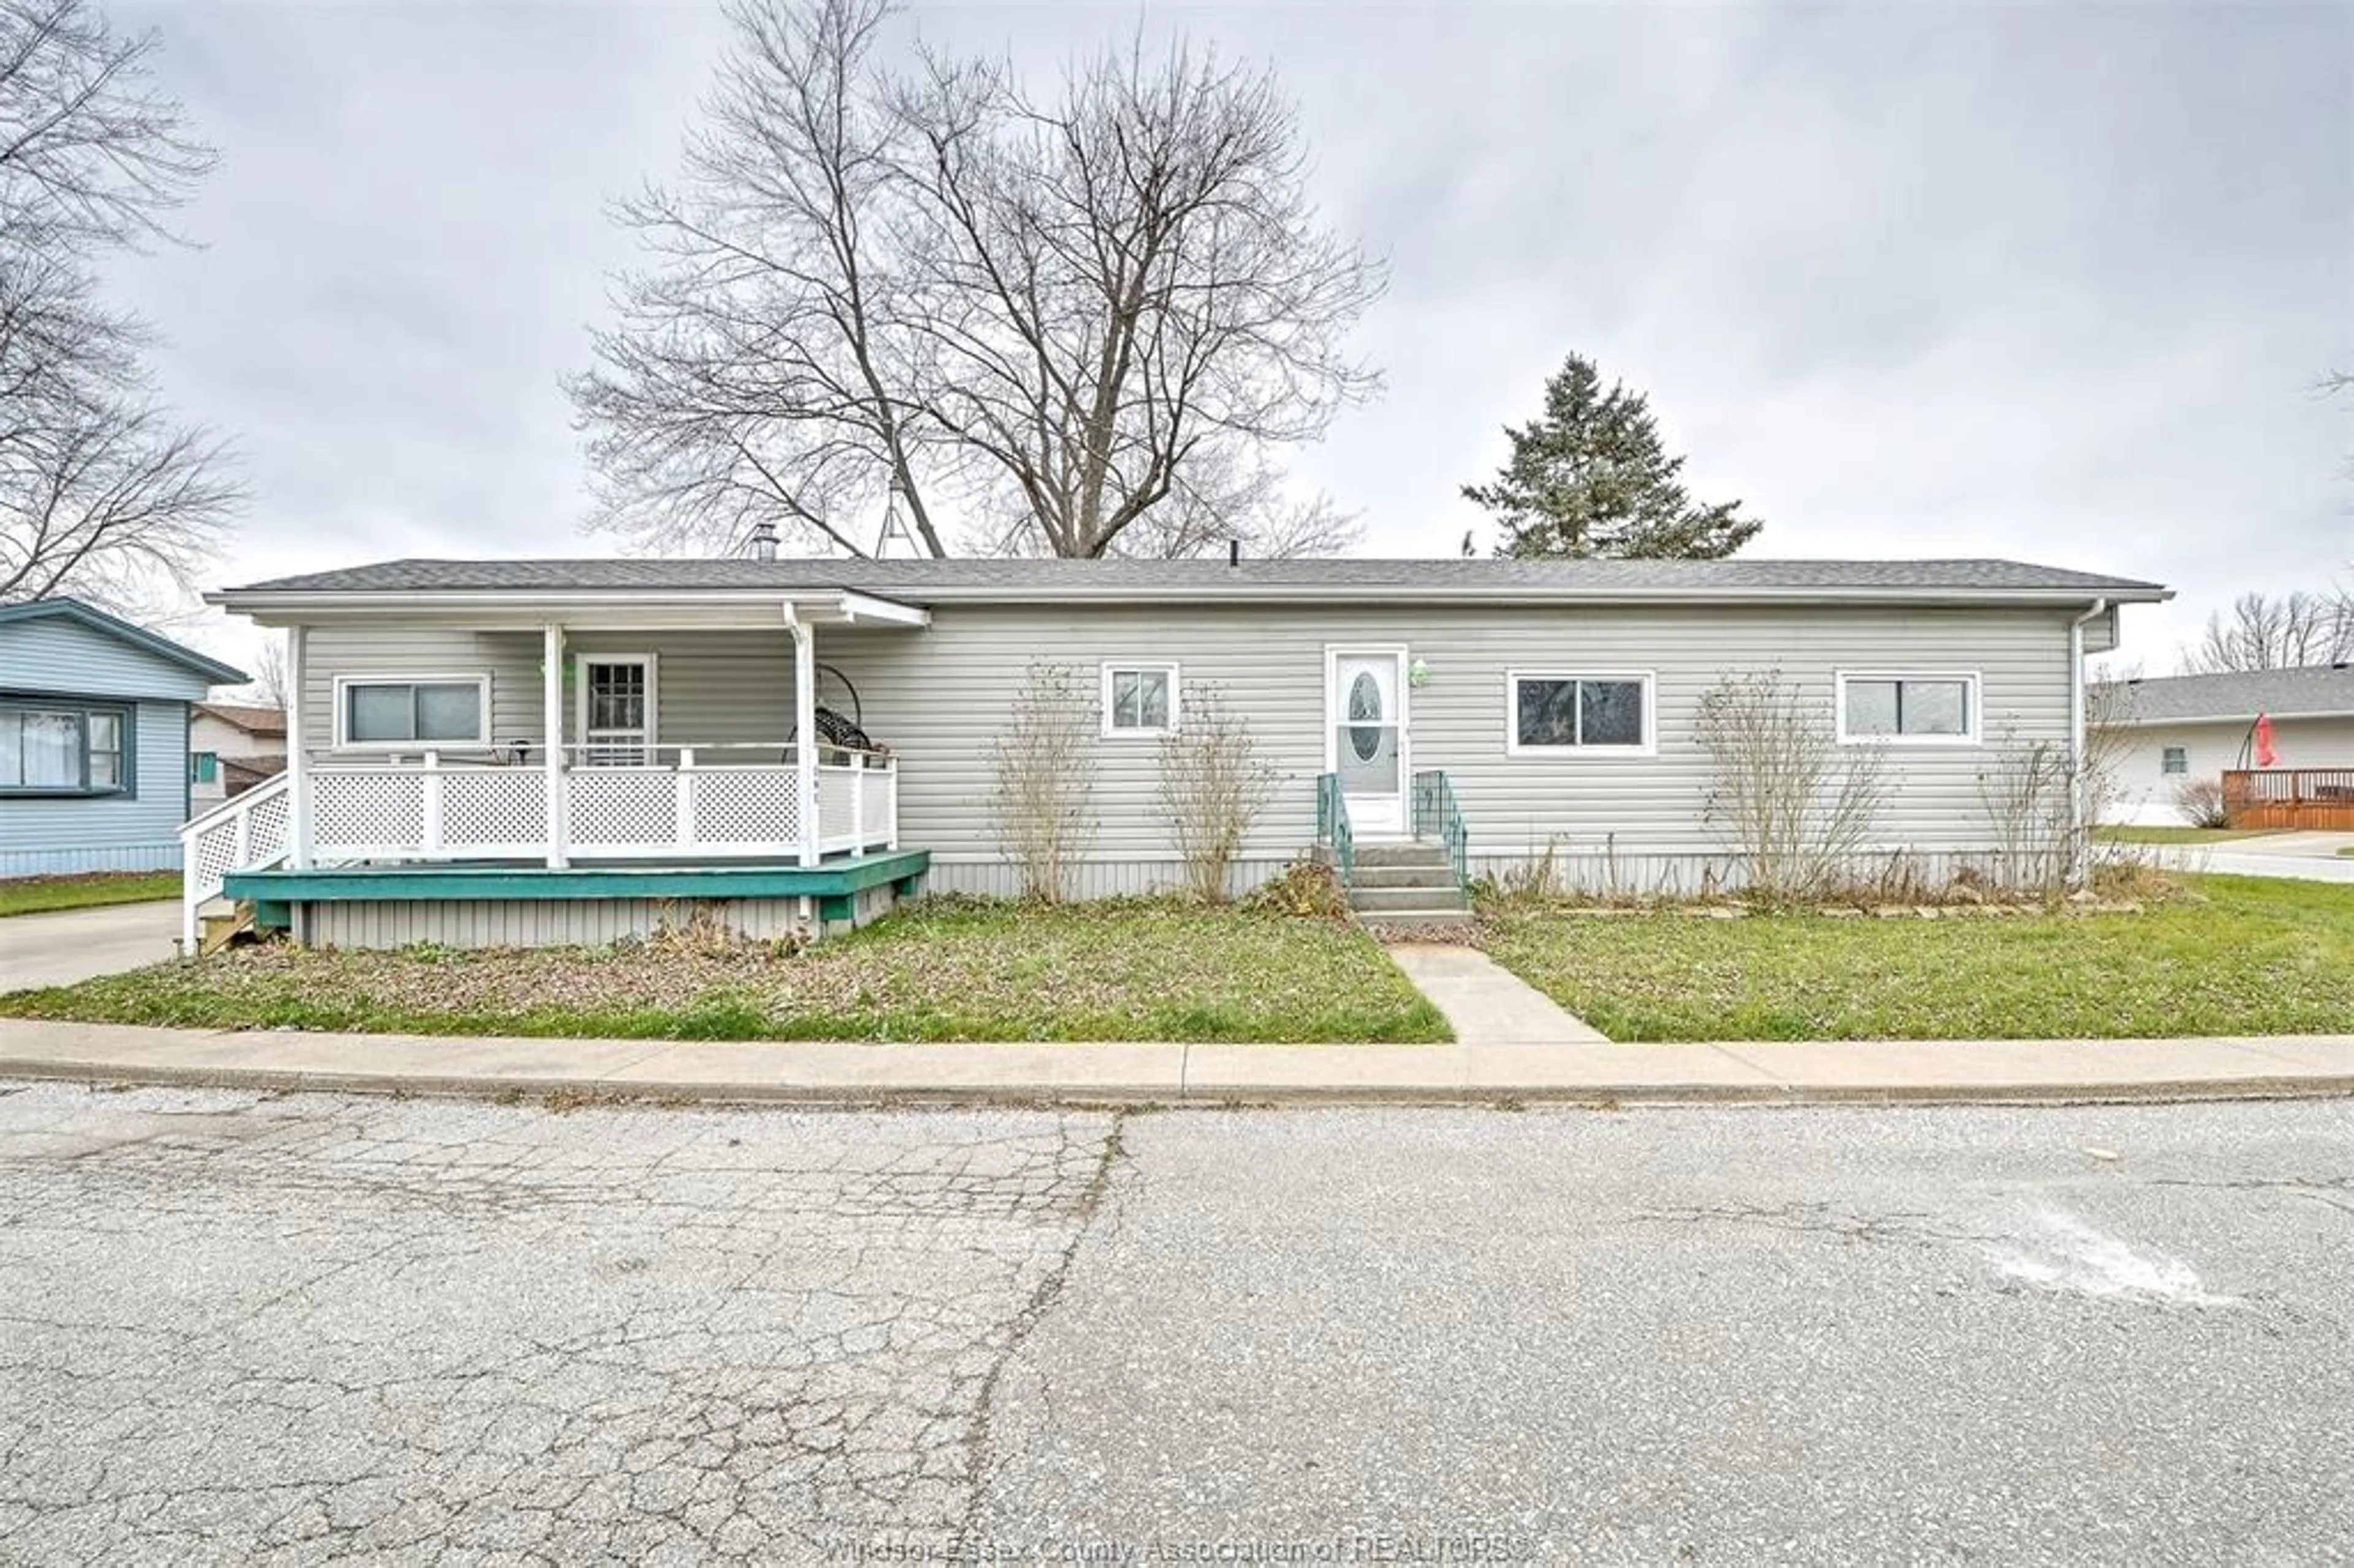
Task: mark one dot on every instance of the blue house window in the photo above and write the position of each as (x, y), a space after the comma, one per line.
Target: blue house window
(64, 748)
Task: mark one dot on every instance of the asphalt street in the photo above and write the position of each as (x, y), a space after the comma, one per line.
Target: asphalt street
(238, 1327)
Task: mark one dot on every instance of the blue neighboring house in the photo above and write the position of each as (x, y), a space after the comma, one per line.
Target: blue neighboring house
(94, 740)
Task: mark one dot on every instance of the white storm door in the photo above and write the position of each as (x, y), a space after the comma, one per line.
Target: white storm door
(1364, 707)
(616, 710)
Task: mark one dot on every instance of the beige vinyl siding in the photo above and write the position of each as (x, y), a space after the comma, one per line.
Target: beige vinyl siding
(939, 697)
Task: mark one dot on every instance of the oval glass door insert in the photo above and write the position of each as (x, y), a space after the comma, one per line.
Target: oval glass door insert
(1364, 704)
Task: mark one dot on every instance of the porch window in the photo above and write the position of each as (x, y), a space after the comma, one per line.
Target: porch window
(58, 749)
(1139, 699)
(444, 710)
(2174, 759)
(1933, 710)
(1579, 714)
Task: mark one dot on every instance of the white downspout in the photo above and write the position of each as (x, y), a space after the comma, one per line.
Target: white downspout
(2081, 834)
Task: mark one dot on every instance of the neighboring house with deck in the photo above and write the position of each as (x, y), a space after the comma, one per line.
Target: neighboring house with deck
(232, 746)
(504, 751)
(94, 740)
(2175, 729)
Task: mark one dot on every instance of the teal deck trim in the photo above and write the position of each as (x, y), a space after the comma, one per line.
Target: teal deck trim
(398, 883)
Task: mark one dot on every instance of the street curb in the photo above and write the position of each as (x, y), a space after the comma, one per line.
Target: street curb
(1209, 1097)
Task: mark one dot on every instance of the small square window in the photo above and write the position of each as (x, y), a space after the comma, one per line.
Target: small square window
(1139, 699)
(2174, 759)
(204, 766)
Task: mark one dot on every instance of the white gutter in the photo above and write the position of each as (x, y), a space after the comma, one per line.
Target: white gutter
(2081, 829)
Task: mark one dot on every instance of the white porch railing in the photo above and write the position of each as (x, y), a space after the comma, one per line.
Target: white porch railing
(244, 833)
(431, 809)
(675, 805)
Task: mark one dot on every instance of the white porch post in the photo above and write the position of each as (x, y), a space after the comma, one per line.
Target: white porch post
(805, 730)
(551, 694)
(298, 773)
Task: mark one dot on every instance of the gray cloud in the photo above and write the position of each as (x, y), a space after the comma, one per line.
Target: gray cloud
(2047, 281)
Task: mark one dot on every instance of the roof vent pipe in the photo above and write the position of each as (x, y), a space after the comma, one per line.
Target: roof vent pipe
(1234, 552)
(764, 540)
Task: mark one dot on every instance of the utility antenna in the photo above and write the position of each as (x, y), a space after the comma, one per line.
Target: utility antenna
(895, 526)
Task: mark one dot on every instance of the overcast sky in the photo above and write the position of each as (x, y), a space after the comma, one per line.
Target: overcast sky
(2044, 281)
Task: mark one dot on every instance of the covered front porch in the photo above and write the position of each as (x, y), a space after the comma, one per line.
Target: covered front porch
(657, 739)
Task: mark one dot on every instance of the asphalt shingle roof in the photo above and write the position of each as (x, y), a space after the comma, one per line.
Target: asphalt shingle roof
(2283, 693)
(970, 577)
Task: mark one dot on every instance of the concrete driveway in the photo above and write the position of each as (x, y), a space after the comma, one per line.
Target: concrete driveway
(2307, 857)
(75, 944)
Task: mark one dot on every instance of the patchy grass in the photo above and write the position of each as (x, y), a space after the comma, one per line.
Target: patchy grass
(962, 971)
(2227, 955)
(2179, 836)
(39, 895)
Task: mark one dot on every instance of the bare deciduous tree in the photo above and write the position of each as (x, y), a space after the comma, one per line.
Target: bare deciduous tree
(1215, 787)
(1055, 317)
(104, 493)
(269, 686)
(1044, 770)
(2262, 631)
(1795, 805)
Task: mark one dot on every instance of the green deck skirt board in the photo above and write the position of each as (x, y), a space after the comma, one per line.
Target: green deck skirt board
(904, 869)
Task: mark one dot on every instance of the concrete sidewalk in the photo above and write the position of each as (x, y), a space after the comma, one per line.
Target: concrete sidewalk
(1171, 1074)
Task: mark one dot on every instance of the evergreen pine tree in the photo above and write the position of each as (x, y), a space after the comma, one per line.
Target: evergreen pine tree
(1590, 478)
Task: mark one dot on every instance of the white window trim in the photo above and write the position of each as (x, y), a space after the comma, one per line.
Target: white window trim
(580, 663)
(1112, 667)
(480, 679)
(1648, 679)
(1976, 715)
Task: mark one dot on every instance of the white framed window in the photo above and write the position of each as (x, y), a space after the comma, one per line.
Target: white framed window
(1580, 713)
(2174, 761)
(411, 713)
(1139, 699)
(1924, 708)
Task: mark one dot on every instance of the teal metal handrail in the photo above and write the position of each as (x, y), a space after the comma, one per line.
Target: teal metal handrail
(1437, 816)
(1332, 828)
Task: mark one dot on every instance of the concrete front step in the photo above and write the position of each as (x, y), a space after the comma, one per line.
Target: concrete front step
(1372, 856)
(1441, 875)
(1411, 917)
(1384, 900)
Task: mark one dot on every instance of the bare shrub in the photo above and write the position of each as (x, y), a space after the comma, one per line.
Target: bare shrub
(1795, 805)
(1045, 767)
(2028, 791)
(1304, 890)
(2201, 803)
(1215, 787)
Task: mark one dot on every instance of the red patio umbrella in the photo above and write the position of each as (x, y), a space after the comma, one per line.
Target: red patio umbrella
(2265, 755)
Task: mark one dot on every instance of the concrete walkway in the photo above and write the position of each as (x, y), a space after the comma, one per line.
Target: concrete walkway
(1174, 1073)
(71, 945)
(1486, 1004)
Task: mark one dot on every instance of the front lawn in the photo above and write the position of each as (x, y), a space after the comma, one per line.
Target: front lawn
(2228, 956)
(2179, 836)
(1131, 971)
(39, 895)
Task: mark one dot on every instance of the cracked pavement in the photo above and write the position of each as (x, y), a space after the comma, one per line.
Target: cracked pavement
(236, 1326)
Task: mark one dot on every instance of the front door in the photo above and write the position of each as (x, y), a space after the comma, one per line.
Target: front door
(616, 709)
(1365, 740)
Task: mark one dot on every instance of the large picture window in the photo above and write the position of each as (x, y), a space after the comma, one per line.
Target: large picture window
(439, 710)
(1925, 709)
(1578, 713)
(64, 748)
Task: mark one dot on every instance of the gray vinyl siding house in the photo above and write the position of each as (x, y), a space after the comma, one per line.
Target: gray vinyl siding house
(927, 658)
(94, 740)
